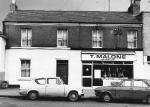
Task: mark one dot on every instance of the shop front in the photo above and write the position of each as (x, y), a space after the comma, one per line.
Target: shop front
(100, 68)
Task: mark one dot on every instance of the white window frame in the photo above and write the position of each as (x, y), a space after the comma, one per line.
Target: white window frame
(63, 36)
(98, 37)
(26, 39)
(134, 39)
(28, 68)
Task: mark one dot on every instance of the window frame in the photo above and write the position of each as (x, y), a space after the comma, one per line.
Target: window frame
(62, 38)
(135, 38)
(26, 69)
(99, 34)
(27, 36)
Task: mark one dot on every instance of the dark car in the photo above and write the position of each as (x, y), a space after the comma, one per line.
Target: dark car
(126, 89)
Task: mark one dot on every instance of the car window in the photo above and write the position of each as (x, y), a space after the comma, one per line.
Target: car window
(139, 84)
(40, 81)
(51, 81)
(148, 82)
(127, 83)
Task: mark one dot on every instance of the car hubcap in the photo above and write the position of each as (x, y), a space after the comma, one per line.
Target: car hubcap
(107, 98)
(73, 96)
(33, 96)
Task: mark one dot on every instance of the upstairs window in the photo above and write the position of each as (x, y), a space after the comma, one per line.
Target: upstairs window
(26, 37)
(97, 38)
(132, 39)
(25, 68)
(62, 38)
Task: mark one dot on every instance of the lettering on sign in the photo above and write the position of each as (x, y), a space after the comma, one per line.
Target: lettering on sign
(109, 57)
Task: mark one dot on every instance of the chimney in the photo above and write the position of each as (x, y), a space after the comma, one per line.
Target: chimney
(134, 7)
(13, 6)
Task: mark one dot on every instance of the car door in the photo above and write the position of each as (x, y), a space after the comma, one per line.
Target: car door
(125, 91)
(140, 89)
(40, 86)
(55, 88)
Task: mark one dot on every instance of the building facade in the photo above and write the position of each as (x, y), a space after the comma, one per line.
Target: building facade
(84, 48)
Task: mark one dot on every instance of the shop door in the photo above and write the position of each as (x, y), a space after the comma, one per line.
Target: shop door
(87, 76)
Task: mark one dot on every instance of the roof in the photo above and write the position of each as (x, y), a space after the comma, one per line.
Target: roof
(72, 17)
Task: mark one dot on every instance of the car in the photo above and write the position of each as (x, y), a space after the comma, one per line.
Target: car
(49, 87)
(138, 89)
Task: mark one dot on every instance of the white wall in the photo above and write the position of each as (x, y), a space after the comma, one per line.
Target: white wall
(2, 57)
(141, 69)
(43, 63)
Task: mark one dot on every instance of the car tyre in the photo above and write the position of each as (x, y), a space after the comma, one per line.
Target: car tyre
(107, 97)
(73, 96)
(4, 85)
(148, 100)
(33, 95)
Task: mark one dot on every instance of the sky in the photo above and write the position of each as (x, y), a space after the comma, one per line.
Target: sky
(72, 5)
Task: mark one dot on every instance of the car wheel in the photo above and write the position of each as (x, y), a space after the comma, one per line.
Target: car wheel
(73, 96)
(107, 97)
(4, 85)
(33, 95)
(148, 100)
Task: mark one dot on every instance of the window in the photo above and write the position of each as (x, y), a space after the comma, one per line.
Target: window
(40, 81)
(127, 83)
(62, 38)
(25, 68)
(97, 38)
(26, 37)
(139, 84)
(62, 70)
(148, 59)
(132, 39)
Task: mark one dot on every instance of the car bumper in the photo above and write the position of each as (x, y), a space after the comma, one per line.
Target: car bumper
(23, 92)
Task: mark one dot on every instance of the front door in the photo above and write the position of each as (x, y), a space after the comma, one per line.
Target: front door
(87, 75)
(53, 88)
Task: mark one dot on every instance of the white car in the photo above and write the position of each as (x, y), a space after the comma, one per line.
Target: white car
(49, 87)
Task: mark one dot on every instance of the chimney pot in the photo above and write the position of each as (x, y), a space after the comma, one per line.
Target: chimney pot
(13, 6)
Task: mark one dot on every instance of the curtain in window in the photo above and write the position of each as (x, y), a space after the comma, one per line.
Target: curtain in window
(25, 68)
(132, 39)
(97, 38)
(62, 36)
(26, 37)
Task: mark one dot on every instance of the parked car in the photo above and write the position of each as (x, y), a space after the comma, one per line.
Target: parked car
(126, 89)
(49, 87)
(3, 84)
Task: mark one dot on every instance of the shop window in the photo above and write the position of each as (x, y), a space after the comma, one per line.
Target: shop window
(132, 39)
(97, 38)
(62, 38)
(62, 70)
(25, 68)
(26, 37)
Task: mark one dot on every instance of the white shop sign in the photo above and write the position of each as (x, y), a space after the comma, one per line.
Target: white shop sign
(108, 57)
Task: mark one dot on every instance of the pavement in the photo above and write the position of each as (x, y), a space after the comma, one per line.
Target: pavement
(13, 92)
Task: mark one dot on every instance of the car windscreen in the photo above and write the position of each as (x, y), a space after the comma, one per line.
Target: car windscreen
(40, 81)
(148, 82)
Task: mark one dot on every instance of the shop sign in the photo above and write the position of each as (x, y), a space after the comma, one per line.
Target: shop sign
(108, 57)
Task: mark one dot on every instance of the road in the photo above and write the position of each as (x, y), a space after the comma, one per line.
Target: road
(62, 102)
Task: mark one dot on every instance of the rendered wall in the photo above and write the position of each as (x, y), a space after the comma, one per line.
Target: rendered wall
(43, 63)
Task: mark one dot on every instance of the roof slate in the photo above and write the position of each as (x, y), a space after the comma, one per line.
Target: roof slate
(72, 17)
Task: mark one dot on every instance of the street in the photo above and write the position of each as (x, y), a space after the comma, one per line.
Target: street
(62, 102)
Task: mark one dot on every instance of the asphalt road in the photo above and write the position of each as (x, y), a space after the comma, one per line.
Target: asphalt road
(62, 102)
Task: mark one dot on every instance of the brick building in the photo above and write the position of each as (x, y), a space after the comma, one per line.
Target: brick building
(81, 47)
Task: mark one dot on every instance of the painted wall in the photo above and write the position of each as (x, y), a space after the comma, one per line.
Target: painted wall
(43, 63)
(2, 58)
(78, 36)
(146, 33)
